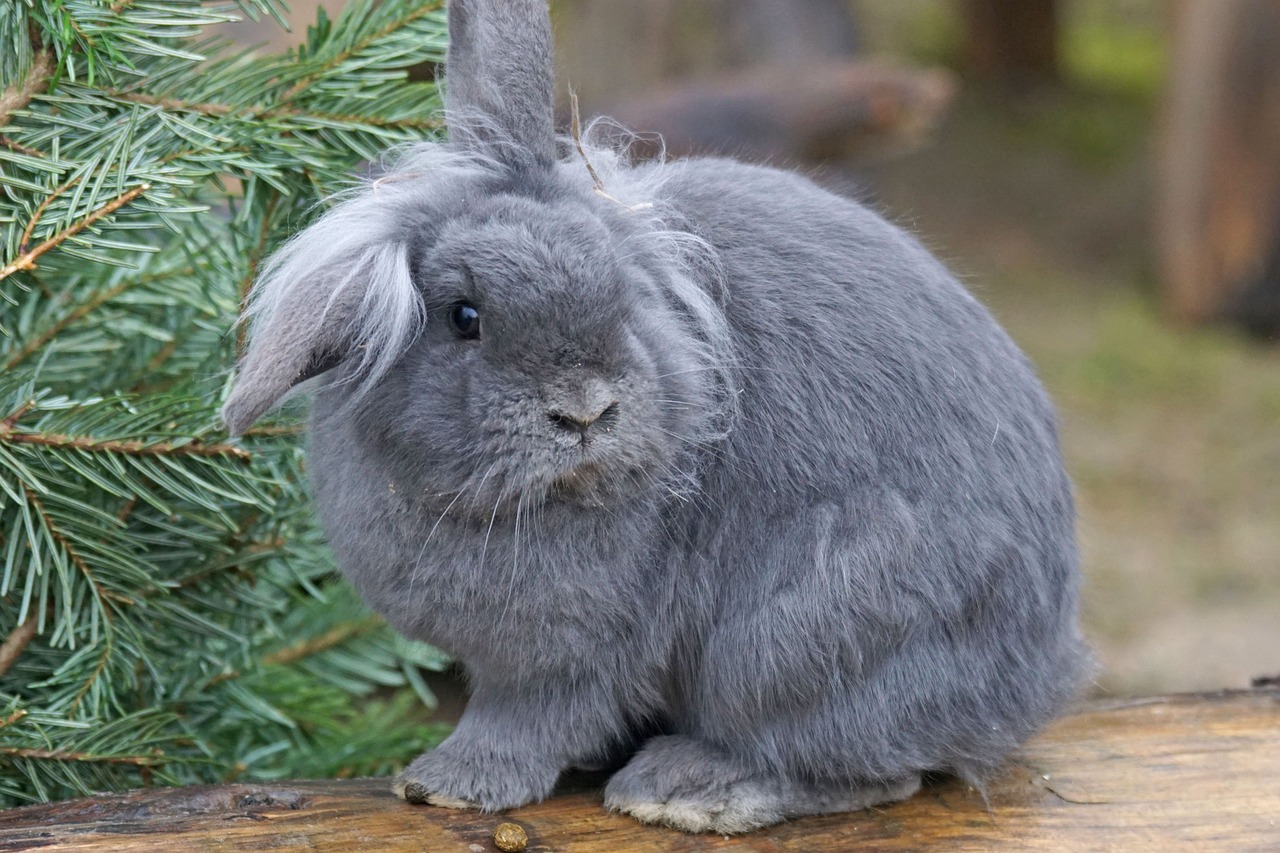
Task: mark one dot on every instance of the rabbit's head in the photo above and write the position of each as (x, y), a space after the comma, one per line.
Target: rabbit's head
(483, 314)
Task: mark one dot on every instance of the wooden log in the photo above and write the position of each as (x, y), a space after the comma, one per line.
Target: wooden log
(1192, 772)
(1218, 205)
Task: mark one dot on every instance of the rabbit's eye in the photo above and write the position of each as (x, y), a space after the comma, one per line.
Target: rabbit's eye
(465, 320)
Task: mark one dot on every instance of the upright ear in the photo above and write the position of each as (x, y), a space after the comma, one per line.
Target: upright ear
(499, 79)
(340, 291)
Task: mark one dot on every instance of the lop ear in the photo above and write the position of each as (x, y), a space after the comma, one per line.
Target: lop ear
(340, 292)
(499, 79)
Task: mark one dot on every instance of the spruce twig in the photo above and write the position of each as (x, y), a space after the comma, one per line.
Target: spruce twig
(11, 435)
(39, 211)
(273, 113)
(153, 760)
(27, 260)
(18, 97)
(16, 643)
(362, 45)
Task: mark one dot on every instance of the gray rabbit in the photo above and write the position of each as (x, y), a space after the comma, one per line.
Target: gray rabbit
(700, 471)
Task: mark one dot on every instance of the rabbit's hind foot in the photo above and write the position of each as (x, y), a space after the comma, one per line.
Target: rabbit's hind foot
(690, 785)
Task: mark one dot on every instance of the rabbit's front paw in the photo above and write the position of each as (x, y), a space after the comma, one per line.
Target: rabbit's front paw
(460, 778)
(686, 784)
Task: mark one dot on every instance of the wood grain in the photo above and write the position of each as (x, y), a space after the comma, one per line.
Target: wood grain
(1195, 772)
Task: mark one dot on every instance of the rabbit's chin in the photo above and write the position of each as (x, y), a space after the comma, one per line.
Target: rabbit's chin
(594, 484)
(590, 484)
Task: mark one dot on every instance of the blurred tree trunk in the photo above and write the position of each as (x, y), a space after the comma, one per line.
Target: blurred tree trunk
(1011, 41)
(1218, 209)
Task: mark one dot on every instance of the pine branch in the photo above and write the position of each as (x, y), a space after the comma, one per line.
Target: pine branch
(41, 208)
(16, 716)
(9, 433)
(254, 114)
(17, 97)
(322, 643)
(103, 660)
(16, 415)
(308, 648)
(154, 760)
(38, 342)
(72, 553)
(27, 260)
(21, 149)
(157, 361)
(274, 431)
(138, 198)
(360, 46)
(255, 259)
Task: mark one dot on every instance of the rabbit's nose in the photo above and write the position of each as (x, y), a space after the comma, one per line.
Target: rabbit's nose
(580, 422)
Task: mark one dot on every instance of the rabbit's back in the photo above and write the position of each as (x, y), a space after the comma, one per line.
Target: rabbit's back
(889, 507)
(859, 360)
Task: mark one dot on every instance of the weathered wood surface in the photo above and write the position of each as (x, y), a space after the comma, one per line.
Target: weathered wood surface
(1173, 773)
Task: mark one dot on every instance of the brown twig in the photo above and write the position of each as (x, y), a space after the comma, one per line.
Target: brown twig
(17, 97)
(13, 718)
(22, 149)
(576, 131)
(307, 648)
(213, 108)
(153, 760)
(322, 643)
(28, 260)
(39, 212)
(130, 448)
(234, 569)
(127, 510)
(65, 544)
(16, 643)
(162, 355)
(274, 431)
(93, 677)
(10, 421)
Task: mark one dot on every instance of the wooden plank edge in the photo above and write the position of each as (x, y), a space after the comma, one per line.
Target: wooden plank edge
(1189, 771)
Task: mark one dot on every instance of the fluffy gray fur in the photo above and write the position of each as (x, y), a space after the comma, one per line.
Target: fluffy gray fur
(816, 539)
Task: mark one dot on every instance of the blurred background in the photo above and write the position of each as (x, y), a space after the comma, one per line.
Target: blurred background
(1105, 176)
